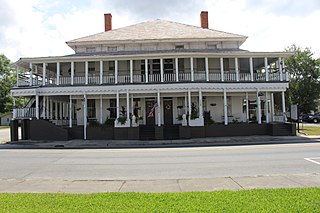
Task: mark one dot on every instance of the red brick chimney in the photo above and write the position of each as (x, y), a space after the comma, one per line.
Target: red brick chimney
(204, 19)
(107, 22)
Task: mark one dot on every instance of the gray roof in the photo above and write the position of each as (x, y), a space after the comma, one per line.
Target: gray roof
(158, 30)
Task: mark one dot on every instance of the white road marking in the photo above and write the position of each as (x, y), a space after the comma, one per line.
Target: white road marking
(313, 160)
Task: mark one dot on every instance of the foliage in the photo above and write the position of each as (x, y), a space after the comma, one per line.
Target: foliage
(309, 130)
(109, 122)
(261, 200)
(7, 80)
(194, 112)
(304, 85)
(122, 119)
(94, 123)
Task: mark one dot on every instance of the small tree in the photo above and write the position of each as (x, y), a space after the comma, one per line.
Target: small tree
(304, 85)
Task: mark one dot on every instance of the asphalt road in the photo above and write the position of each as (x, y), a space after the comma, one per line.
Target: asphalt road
(160, 163)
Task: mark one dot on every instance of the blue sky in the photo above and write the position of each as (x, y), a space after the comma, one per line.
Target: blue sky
(35, 28)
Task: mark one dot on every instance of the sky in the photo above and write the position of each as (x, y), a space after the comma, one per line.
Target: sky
(39, 28)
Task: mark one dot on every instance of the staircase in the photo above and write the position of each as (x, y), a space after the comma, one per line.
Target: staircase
(282, 130)
(171, 132)
(147, 132)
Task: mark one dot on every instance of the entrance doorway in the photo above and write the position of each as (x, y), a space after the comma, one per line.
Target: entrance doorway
(150, 113)
(167, 112)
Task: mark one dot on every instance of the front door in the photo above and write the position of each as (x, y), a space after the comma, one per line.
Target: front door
(150, 113)
(167, 112)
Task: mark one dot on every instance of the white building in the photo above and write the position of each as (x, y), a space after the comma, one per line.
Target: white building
(156, 79)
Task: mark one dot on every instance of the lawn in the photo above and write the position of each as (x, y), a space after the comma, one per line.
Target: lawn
(4, 127)
(310, 130)
(261, 200)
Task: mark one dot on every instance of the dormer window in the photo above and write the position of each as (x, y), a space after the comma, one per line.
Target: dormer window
(212, 46)
(179, 47)
(112, 49)
(90, 49)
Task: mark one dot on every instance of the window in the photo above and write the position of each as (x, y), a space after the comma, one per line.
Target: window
(111, 65)
(112, 108)
(90, 49)
(179, 47)
(112, 49)
(91, 106)
(91, 67)
(226, 64)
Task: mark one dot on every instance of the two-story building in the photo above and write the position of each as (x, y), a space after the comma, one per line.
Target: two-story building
(153, 80)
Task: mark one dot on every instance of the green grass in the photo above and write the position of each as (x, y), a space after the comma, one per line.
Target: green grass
(262, 200)
(4, 127)
(310, 130)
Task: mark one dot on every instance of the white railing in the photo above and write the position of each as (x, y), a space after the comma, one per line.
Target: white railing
(24, 113)
(259, 77)
(274, 77)
(154, 78)
(23, 82)
(184, 76)
(65, 80)
(199, 76)
(138, 78)
(169, 77)
(214, 76)
(79, 80)
(230, 77)
(94, 80)
(244, 77)
(108, 79)
(123, 78)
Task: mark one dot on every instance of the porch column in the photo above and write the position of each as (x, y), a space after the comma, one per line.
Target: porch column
(247, 107)
(191, 67)
(237, 68)
(116, 71)
(47, 108)
(85, 113)
(58, 73)
(159, 108)
(251, 68)
(161, 70)
(31, 74)
(43, 74)
(118, 103)
(177, 69)
(44, 106)
(131, 71)
(146, 70)
(266, 68)
(70, 111)
(280, 69)
(132, 106)
(100, 109)
(283, 106)
(101, 72)
(206, 60)
(128, 106)
(258, 107)
(86, 72)
(189, 105)
(51, 110)
(60, 110)
(72, 72)
(56, 110)
(37, 106)
(185, 104)
(272, 106)
(267, 108)
(221, 69)
(225, 107)
(200, 104)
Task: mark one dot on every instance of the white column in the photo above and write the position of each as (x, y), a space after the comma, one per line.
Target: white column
(86, 72)
(116, 71)
(280, 69)
(266, 68)
(132, 106)
(72, 73)
(225, 107)
(128, 105)
(60, 110)
(247, 107)
(50, 110)
(191, 67)
(159, 108)
(161, 70)
(272, 106)
(221, 69)
(70, 111)
(177, 69)
(206, 60)
(283, 106)
(258, 107)
(43, 74)
(37, 106)
(185, 104)
(100, 109)
(101, 72)
(31, 75)
(267, 108)
(189, 105)
(58, 73)
(85, 113)
(146, 70)
(200, 104)
(47, 108)
(131, 71)
(118, 103)
(237, 68)
(56, 110)
(251, 67)
(44, 106)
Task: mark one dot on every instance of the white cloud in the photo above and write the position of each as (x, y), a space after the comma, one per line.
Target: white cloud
(36, 28)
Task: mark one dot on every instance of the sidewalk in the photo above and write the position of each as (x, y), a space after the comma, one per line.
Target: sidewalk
(216, 141)
(179, 185)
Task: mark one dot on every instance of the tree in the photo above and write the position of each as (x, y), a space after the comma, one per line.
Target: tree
(304, 84)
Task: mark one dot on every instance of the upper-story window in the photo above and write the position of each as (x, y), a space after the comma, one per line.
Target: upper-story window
(179, 47)
(112, 49)
(212, 46)
(90, 49)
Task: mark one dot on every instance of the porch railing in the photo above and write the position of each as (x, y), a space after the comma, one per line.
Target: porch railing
(24, 113)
